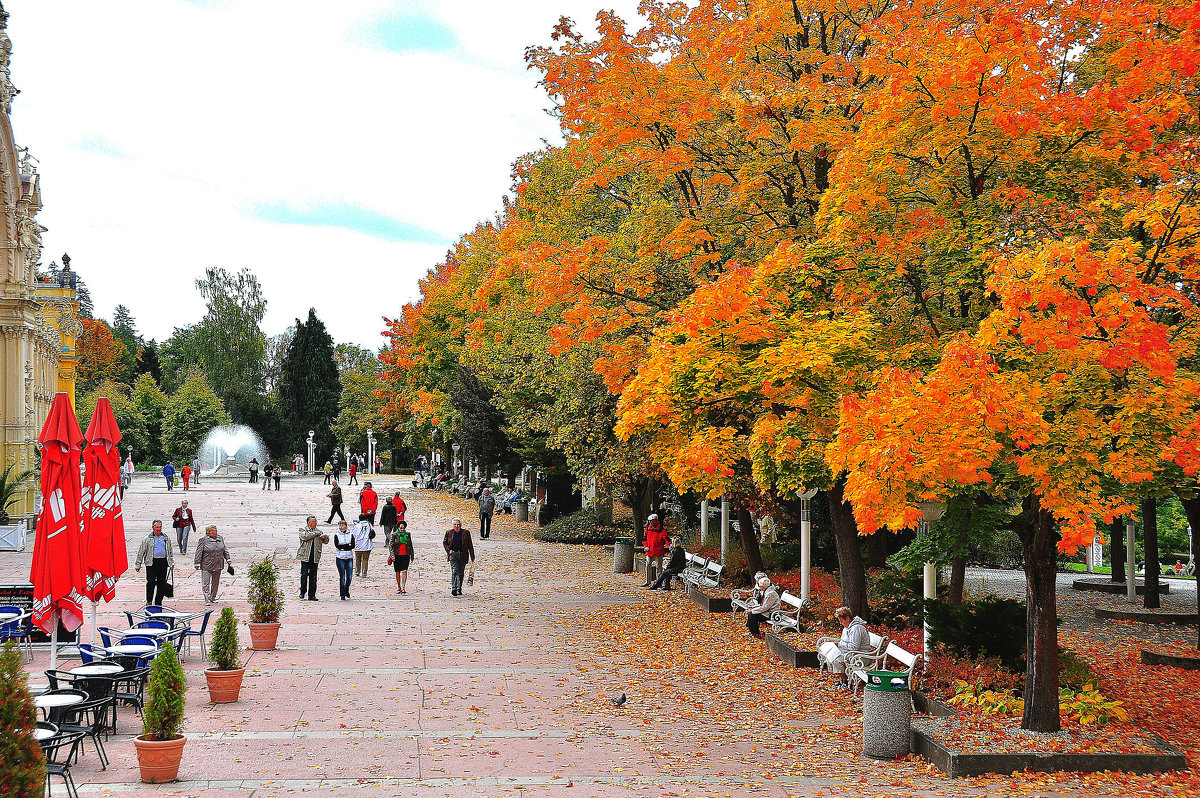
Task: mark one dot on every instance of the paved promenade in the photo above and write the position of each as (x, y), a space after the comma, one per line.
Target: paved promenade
(503, 691)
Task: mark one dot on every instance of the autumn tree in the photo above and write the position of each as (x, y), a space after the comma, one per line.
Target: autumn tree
(99, 355)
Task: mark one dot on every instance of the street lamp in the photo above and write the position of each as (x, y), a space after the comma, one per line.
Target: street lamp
(806, 544)
(371, 452)
(454, 463)
(931, 511)
(312, 452)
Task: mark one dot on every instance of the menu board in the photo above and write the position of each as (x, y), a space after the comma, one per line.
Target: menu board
(22, 596)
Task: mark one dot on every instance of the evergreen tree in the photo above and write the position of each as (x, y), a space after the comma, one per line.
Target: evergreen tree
(191, 413)
(124, 329)
(23, 766)
(148, 362)
(152, 403)
(309, 388)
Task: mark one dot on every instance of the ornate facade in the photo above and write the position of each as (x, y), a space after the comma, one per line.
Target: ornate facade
(38, 321)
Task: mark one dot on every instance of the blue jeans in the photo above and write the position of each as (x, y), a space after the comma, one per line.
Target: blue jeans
(458, 565)
(170, 482)
(345, 573)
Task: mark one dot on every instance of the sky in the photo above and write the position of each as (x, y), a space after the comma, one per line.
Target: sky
(337, 150)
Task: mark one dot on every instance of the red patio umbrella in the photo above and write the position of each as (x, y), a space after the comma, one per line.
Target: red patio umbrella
(57, 571)
(104, 558)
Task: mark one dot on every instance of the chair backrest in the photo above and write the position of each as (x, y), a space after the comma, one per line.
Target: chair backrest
(791, 600)
(107, 635)
(876, 641)
(60, 749)
(203, 623)
(151, 609)
(57, 677)
(714, 568)
(906, 658)
(151, 625)
(89, 653)
(140, 640)
(8, 609)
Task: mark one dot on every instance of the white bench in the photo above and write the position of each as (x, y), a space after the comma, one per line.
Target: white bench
(709, 576)
(740, 601)
(787, 617)
(827, 649)
(695, 567)
(857, 665)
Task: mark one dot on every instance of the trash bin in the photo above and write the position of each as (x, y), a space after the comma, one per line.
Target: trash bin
(887, 715)
(623, 556)
(522, 511)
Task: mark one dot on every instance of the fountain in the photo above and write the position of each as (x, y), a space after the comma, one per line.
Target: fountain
(227, 450)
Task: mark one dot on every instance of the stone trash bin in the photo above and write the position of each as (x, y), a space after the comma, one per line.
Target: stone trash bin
(623, 556)
(522, 511)
(887, 715)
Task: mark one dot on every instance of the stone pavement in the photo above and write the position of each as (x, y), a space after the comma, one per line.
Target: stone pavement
(504, 691)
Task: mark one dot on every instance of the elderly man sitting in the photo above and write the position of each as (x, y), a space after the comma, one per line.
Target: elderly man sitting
(855, 639)
(763, 602)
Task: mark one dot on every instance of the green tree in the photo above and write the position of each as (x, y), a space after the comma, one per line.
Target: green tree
(130, 419)
(152, 402)
(309, 388)
(230, 339)
(191, 413)
(148, 362)
(360, 407)
(24, 767)
(124, 329)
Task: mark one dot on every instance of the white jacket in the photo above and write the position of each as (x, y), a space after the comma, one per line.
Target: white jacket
(363, 536)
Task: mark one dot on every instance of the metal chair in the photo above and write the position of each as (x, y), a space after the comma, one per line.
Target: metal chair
(59, 751)
(188, 634)
(151, 625)
(89, 653)
(91, 720)
(130, 690)
(19, 629)
(53, 714)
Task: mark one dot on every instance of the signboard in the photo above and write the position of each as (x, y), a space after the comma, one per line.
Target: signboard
(22, 596)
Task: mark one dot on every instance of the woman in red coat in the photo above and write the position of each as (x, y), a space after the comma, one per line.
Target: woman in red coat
(187, 476)
(656, 546)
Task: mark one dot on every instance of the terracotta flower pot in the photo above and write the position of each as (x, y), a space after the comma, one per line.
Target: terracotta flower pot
(159, 759)
(224, 686)
(263, 636)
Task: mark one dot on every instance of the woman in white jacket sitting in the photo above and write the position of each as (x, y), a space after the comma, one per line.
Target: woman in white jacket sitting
(855, 639)
(764, 602)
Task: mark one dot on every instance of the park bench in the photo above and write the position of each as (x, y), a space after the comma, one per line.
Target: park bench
(709, 576)
(695, 565)
(857, 665)
(875, 655)
(787, 617)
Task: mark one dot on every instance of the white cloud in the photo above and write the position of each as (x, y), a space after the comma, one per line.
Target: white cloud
(162, 125)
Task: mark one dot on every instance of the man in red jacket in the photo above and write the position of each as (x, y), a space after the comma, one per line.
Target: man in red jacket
(656, 546)
(368, 501)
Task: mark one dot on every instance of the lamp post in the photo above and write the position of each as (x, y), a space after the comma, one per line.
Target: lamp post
(454, 447)
(371, 452)
(931, 511)
(1130, 560)
(703, 521)
(724, 526)
(806, 544)
(312, 452)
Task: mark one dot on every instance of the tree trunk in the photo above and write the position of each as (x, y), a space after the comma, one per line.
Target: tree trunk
(1039, 540)
(958, 579)
(878, 548)
(850, 561)
(1191, 508)
(749, 541)
(1150, 543)
(1116, 547)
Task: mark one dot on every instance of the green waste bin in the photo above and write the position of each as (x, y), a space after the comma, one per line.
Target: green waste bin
(623, 556)
(887, 715)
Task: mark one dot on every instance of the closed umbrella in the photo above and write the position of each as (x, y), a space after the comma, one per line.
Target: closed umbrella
(104, 558)
(57, 571)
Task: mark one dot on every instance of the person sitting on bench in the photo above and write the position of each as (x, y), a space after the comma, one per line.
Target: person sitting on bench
(675, 565)
(855, 639)
(763, 602)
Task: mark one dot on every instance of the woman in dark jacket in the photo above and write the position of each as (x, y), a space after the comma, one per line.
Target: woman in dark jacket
(387, 519)
(675, 565)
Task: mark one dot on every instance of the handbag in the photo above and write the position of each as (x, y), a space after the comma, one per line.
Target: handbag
(229, 568)
(169, 584)
(471, 574)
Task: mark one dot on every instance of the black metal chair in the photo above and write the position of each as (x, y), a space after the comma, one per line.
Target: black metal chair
(54, 714)
(91, 720)
(130, 690)
(59, 752)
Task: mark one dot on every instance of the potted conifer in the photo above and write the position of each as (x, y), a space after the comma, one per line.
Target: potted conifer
(266, 604)
(160, 746)
(23, 767)
(224, 677)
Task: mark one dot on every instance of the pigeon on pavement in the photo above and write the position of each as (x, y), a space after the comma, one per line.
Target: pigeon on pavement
(619, 700)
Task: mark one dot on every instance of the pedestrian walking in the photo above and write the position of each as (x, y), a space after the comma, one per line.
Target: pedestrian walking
(458, 546)
(335, 500)
(187, 475)
(400, 555)
(196, 471)
(368, 502)
(364, 544)
(278, 476)
(157, 554)
(387, 520)
(169, 473)
(401, 507)
(487, 506)
(184, 523)
(309, 555)
(253, 464)
(211, 558)
(656, 546)
(328, 472)
(343, 541)
(126, 475)
(268, 469)
(353, 473)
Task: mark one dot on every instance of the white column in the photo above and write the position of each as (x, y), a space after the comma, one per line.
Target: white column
(703, 521)
(724, 527)
(930, 593)
(805, 550)
(1130, 561)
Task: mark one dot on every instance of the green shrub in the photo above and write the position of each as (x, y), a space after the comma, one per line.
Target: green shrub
(266, 601)
(1073, 670)
(989, 626)
(24, 768)
(223, 652)
(895, 598)
(582, 527)
(162, 717)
